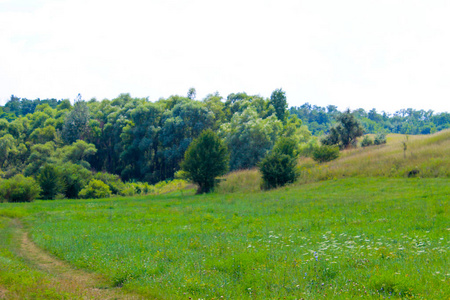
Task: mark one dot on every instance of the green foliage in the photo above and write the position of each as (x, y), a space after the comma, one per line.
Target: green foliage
(279, 166)
(76, 123)
(50, 182)
(325, 153)
(345, 132)
(205, 159)
(367, 141)
(77, 153)
(380, 139)
(145, 141)
(75, 178)
(43, 135)
(7, 149)
(95, 189)
(278, 244)
(19, 189)
(279, 102)
(307, 149)
(249, 137)
(41, 154)
(114, 182)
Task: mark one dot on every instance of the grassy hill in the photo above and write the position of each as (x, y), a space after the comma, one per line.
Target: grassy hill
(356, 227)
(429, 155)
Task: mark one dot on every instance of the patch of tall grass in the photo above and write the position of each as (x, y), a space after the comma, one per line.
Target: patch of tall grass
(425, 156)
(240, 181)
(402, 156)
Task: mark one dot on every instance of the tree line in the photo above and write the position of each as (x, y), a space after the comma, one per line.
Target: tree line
(117, 146)
(405, 121)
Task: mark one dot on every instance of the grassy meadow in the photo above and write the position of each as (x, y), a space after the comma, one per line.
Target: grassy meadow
(346, 230)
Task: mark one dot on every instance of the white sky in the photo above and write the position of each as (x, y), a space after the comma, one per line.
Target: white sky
(387, 54)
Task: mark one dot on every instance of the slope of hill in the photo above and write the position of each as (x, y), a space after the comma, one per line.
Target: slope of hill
(403, 156)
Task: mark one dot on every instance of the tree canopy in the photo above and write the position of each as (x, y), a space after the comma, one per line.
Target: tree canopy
(138, 140)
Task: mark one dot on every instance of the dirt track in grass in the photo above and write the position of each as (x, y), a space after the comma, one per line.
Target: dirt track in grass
(3, 293)
(65, 278)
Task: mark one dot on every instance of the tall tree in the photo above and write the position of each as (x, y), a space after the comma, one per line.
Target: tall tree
(76, 124)
(279, 102)
(249, 137)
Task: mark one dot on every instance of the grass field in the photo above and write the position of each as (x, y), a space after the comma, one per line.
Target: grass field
(356, 227)
(336, 239)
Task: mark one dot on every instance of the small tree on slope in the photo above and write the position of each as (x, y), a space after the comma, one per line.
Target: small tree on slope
(205, 159)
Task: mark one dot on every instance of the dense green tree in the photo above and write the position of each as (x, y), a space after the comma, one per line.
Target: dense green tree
(141, 144)
(249, 137)
(43, 135)
(205, 159)
(180, 126)
(74, 178)
(279, 166)
(77, 153)
(76, 124)
(345, 132)
(40, 155)
(50, 182)
(7, 149)
(192, 93)
(279, 102)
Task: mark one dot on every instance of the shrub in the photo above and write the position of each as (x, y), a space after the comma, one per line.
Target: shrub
(129, 190)
(326, 153)
(380, 139)
(205, 159)
(278, 170)
(113, 181)
(95, 189)
(367, 141)
(50, 182)
(307, 149)
(279, 166)
(19, 189)
(75, 178)
(345, 132)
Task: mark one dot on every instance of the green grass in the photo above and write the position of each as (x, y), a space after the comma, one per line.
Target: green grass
(354, 227)
(428, 155)
(339, 239)
(18, 279)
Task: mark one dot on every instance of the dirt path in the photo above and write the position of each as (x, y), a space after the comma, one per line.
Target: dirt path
(3, 293)
(64, 277)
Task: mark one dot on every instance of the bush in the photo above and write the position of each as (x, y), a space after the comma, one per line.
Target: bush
(326, 153)
(50, 182)
(95, 189)
(75, 178)
(367, 141)
(19, 189)
(380, 139)
(205, 159)
(346, 131)
(307, 149)
(278, 170)
(279, 166)
(113, 181)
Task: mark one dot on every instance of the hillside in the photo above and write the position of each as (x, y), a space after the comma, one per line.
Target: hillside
(426, 156)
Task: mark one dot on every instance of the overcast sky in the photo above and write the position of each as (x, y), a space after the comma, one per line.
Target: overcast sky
(383, 54)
